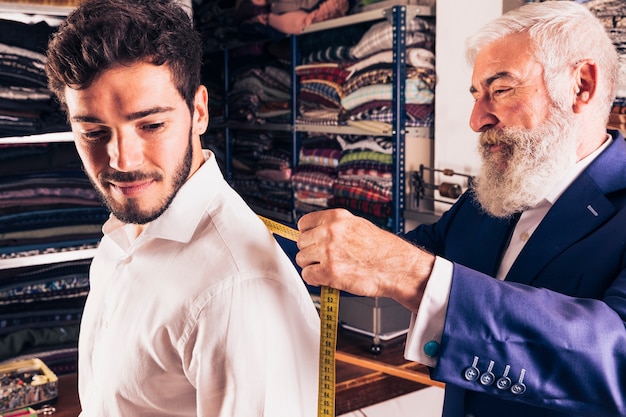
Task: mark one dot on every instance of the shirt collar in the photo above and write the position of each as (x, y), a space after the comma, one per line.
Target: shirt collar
(180, 219)
(555, 192)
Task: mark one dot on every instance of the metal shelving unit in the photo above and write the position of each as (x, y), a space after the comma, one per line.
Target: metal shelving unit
(397, 15)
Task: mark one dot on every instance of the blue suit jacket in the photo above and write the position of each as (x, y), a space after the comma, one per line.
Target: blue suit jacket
(558, 319)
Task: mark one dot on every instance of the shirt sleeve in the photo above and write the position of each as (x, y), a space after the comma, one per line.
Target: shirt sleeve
(426, 326)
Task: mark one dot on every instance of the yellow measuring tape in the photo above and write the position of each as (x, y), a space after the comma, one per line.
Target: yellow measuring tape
(329, 317)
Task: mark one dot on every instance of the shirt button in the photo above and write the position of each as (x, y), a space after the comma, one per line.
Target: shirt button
(524, 236)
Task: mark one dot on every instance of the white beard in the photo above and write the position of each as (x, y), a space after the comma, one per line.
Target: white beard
(530, 162)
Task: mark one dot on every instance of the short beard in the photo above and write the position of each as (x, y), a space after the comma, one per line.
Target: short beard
(130, 212)
(529, 164)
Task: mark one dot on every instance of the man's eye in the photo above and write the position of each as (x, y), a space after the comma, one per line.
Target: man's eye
(153, 127)
(94, 135)
(500, 91)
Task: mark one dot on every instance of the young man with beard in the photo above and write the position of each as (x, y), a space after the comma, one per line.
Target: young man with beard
(519, 290)
(193, 310)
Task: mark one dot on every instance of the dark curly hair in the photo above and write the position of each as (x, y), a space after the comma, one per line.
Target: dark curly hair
(100, 34)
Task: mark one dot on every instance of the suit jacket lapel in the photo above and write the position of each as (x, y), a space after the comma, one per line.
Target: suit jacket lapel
(581, 208)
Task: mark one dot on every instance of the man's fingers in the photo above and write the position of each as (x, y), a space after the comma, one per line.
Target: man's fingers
(313, 275)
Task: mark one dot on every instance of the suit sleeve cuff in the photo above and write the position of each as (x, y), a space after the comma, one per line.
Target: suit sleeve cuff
(426, 326)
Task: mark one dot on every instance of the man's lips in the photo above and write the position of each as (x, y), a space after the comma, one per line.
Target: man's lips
(132, 189)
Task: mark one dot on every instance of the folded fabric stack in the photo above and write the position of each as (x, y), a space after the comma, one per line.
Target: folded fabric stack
(26, 104)
(314, 177)
(364, 178)
(40, 314)
(47, 207)
(343, 84)
(261, 87)
(262, 171)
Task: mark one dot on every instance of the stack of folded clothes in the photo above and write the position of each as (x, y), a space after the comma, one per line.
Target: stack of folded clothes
(47, 208)
(26, 105)
(262, 171)
(351, 84)
(364, 178)
(314, 177)
(260, 86)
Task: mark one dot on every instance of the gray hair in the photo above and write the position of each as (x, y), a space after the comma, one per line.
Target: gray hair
(562, 33)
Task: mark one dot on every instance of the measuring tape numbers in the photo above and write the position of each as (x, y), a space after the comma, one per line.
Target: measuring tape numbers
(329, 318)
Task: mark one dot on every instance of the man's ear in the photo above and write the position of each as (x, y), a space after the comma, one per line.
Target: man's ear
(201, 111)
(586, 79)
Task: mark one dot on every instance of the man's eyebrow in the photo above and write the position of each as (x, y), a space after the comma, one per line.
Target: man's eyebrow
(491, 80)
(143, 113)
(132, 116)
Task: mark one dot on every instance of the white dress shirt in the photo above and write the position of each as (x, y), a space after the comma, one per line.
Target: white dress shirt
(201, 315)
(427, 324)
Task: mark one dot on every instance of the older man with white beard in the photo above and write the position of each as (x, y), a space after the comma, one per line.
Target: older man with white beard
(519, 290)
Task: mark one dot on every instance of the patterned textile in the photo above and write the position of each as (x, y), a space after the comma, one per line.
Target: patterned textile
(363, 189)
(331, 92)
(417, 115)
(324, 116)
(416, 91)
(381, 144)
(323, 71)
(365, 169)
(312, 181)
(415, 57)
(383, 74)
(320, 94)
(338, 53)
(365, 155)
(43, 283)
(380, 210)
(380, 37)
(323, 157)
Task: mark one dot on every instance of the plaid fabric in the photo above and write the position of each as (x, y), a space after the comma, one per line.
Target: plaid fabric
(383, 74)
(323, 87)
(334, 93)
(309, 197)
(415, 92)
(380, 37)
(254, 85)
(425, 117)
(331, 54)
(415, 57)
(324, 157)
(361, 171)
(365, 169)
(275, 159)
(365, 155)
(363, 189)
(380, 144)
(333, 74)
(318, 115)
(320, 94)
(312, 181)
(326, 170)
(307, 120)
(381, 210)
(272, 77)
(414, 110)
